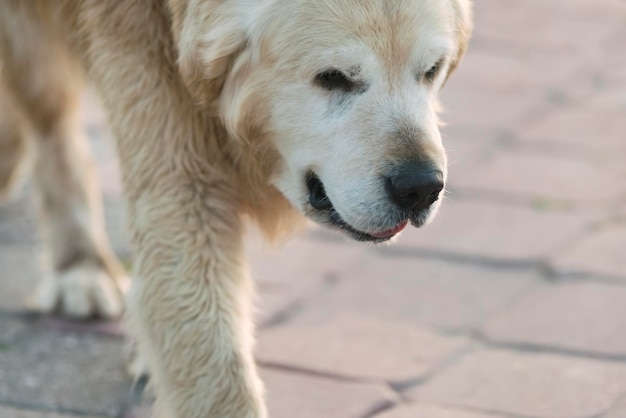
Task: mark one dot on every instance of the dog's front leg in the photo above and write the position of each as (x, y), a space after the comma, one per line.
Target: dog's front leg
(189, 307)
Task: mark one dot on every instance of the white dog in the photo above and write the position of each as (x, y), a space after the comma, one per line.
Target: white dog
(222, 110)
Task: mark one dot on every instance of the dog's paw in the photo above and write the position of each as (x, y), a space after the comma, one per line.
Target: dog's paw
(80, 292)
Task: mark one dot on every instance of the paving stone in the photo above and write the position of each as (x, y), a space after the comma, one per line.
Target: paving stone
(10, 331)
(17, 222)
(294, 395)
(277, 304)
(512, 71)
(430, 411)
(601, 252)
(536, 176)
(468, 147)
(301, 258)
(496, 231)
(289, 274)
(60, 324)
(141, 411)
(603, 76)
(530, 385)
(19, 274)
(476, 108)
(65, 372)
(432, 293)
(618, 411)
(574, 316)
(552, 21)
(607, 71)
(613, 101)
(7, 412)
(597, 132)
(357, 347)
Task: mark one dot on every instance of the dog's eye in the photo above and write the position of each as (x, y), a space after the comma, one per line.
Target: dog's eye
(431, 74)
(334, 80)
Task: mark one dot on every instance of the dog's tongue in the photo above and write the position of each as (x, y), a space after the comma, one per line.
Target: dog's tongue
(391, 232)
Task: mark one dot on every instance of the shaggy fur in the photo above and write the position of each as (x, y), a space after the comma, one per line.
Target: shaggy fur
(219, 115)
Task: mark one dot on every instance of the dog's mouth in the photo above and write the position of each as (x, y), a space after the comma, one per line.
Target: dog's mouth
(319, 200)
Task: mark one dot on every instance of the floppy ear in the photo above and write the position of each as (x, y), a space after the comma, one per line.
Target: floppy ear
(208, 35)
(463, 27)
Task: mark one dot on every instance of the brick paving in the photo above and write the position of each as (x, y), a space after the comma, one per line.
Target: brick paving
(512, 304)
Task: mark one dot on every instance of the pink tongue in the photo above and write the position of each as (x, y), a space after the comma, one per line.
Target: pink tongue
(391, 232)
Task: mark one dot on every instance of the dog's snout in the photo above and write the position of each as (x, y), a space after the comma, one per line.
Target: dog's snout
(415, 186)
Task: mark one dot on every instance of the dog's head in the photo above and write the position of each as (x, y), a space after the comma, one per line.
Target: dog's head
(344, 92)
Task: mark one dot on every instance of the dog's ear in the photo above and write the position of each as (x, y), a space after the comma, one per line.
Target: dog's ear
(208, 35)
(463, 27)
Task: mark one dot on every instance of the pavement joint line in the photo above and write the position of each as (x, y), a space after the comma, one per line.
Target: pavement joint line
(591, 228)
(558, 206)
(530, 348)
(283, 315)
(379, 412)
(460, 258)
(575, 276)
(491, 412)
(401, 387)
(541, 267)
(34, 321)
(22, 315)
(537, 266)
(22, 406)
(553, 148)
(303, 371)
(396, 387)
(541, 110)
(615, 403)
(20, 341)
(472, 259)
(300, 304)
(379, 409)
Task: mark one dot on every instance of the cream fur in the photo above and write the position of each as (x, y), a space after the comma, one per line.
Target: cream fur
(216, 119)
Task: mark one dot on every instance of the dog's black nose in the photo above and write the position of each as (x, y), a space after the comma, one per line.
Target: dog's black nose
(415, 186)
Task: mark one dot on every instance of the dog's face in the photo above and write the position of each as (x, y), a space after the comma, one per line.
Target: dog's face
(346, 92)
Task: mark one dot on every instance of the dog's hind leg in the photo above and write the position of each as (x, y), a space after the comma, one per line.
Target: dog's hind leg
(46, 83)
(12, 143)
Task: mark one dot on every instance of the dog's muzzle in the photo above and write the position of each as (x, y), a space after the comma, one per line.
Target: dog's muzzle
(412, 195)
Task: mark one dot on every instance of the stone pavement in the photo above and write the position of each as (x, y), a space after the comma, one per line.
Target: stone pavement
(511, 304)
